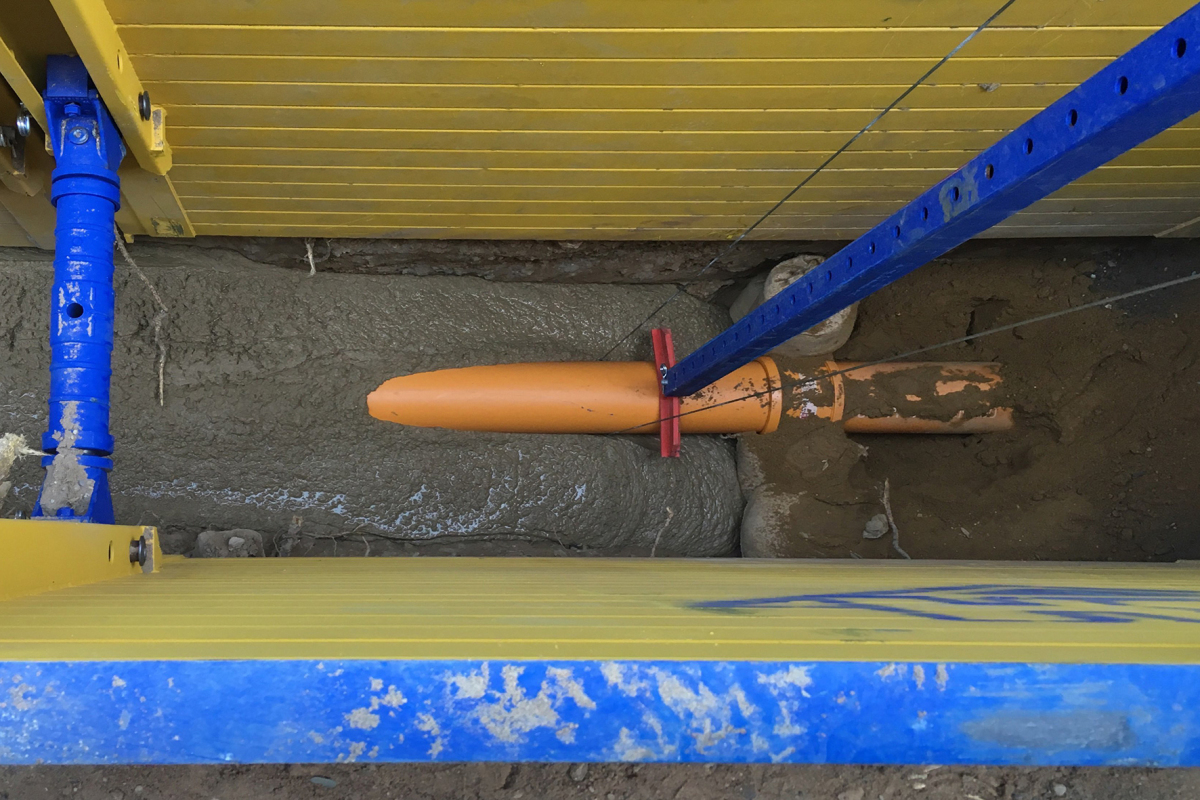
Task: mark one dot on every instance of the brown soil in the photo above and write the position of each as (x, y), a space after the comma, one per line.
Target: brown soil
(598, 782)
(1102, 463)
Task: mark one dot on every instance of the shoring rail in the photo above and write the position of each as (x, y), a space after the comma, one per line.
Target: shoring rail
(1150, 88)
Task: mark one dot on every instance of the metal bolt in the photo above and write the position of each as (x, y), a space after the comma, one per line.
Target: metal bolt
(79, 135)
(23, 124)
(144, 105)
(138, 551)
(72, 110)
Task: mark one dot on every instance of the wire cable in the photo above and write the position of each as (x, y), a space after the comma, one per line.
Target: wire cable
(681, 289)
(918, 351)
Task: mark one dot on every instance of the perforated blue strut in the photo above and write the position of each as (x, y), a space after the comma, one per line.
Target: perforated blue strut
(86, 193)
(1152, 87)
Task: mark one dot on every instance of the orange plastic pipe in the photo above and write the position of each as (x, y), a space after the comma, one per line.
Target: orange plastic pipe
(996, 419)
(859, 393)
(575, 397)
(611, 397)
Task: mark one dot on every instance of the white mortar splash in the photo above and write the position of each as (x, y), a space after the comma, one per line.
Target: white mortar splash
(427, 724)
(628, 747)
(511, 712)
(623, 678)
(67, 484)
(12, 447)
(789, 689)
(709, 716)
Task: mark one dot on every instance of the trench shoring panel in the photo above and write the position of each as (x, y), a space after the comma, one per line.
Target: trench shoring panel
(610, 120)
(607, 659)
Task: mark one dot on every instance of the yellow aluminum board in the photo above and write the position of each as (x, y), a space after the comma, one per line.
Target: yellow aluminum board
(516, 608)
(679, 119)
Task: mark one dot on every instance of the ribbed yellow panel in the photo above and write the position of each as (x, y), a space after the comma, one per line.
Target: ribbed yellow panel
(424, 608)
(611, 119)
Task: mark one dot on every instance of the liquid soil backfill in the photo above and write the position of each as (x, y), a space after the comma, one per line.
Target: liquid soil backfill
(265, 423)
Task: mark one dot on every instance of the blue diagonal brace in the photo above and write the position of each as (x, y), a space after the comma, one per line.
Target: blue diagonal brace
(1152, 87)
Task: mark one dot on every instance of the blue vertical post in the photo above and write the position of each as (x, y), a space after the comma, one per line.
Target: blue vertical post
(85, 191)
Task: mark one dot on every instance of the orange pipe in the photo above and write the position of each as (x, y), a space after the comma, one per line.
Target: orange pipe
(902, 397)
(910, 388)
(574, 397)
(996, 419)
(611, 397)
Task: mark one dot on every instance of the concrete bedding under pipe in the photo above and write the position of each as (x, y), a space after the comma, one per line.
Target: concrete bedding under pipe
(265, 416)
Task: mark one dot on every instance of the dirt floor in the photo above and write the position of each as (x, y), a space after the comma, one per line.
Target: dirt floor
(1102, 465)
(592, 782)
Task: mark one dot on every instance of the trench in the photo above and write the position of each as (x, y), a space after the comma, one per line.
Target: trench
(264, 425)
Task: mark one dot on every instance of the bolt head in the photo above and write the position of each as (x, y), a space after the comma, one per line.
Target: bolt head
(72, 110)
(23, 124)
(79, 135)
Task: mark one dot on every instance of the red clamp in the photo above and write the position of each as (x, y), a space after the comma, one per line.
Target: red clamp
(668, 407)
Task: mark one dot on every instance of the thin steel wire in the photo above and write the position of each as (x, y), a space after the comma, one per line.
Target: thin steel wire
(681, 289)
(812, 379)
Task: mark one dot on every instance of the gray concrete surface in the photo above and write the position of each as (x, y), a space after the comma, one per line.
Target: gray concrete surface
(518, 260)
(265, 417)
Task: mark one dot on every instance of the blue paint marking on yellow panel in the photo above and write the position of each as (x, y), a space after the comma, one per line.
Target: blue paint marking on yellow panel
(470, 710)
(1027, 603)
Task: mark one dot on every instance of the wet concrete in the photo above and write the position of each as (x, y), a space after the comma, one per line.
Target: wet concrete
(557, 262)
(265, 417)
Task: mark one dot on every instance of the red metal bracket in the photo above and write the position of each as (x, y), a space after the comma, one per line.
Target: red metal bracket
(668, 407)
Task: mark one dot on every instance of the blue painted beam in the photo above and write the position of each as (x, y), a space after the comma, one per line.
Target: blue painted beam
(1152, 87)
(866, 712)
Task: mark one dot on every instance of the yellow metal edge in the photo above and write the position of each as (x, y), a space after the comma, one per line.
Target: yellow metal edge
(44, 555)
(25, 195)
(1181, 231)
(34, 214)
(11, 71)
(153, 201)
(97, 42)
(32, 180)
(128, 222)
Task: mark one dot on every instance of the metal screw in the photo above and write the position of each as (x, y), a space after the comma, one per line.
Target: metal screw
(79, 135)
(23, 123)
(138, 551)
(144, 105)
